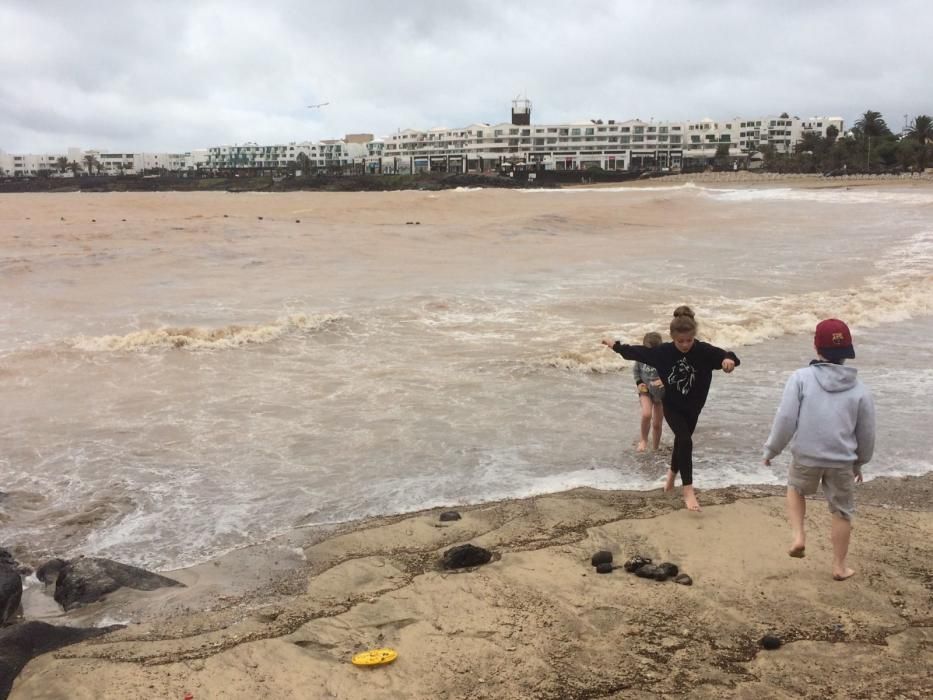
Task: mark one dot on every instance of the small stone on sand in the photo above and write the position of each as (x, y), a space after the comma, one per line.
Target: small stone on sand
(601, 557)
(770, 642)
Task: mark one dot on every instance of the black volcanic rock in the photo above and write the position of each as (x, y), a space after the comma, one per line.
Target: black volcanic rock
(465, 555)
(770, 642)
(651, 571)
(449, 516)
(601, 557)
(48, 572)
(89, 579)
(20, 643)
(11, 586)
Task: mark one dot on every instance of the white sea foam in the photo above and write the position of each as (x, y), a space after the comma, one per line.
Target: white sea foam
(195, 338)
(833, 195)
(687, 186)
(824, 195)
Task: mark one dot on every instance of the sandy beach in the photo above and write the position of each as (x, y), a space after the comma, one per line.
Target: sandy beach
(284, 618)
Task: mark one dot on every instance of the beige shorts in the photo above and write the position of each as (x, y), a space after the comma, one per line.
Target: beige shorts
(838, 486)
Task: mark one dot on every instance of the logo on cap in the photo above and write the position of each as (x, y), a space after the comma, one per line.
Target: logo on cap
(838, 338)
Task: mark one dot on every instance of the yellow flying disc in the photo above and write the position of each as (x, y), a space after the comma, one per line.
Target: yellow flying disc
(375, 657)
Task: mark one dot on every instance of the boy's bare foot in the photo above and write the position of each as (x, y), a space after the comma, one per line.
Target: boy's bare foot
(690, 499)
(669, 482)
(843, 575)
(797, 551)
(642, 446)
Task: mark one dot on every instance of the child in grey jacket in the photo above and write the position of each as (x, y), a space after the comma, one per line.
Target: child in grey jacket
(828, 417)
(650, 394)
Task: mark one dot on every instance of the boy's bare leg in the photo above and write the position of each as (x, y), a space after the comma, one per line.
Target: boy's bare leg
(690, 499)
(796, 510)
(645, 422)
(841, 533)
(657, 418)
(669, 482)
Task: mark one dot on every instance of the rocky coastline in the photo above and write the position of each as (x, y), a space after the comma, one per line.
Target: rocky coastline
(502, 601)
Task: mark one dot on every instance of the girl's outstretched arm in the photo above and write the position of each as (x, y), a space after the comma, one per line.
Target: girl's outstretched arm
(648, 356)
(718, 356)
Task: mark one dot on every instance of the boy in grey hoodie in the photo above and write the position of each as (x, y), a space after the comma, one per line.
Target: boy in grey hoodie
(828, 416)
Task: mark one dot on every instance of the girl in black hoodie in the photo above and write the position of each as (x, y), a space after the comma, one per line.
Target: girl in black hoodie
(686, 367)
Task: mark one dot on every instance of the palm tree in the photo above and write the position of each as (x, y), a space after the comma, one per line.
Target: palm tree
(303, 163)
(872, 124)
(75, 167)
(90, 162)
(922, 132)
(62, 163)
(921, 129)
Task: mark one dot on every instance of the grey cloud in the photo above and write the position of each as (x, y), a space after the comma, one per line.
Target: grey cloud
(176, 75)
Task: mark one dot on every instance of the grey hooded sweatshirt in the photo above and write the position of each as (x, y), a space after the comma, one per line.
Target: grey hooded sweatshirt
(827, 415)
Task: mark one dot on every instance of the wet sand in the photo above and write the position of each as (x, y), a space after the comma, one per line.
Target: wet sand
(284, 618)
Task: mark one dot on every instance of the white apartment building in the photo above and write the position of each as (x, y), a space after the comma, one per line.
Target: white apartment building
(32, 164)
(609, 144)
(331, 153)
(747, 135)
(102, 162)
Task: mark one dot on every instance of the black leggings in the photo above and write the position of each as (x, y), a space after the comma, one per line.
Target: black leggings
(683, 423)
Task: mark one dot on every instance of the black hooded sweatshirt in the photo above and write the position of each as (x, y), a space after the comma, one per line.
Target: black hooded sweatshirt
(686, 376)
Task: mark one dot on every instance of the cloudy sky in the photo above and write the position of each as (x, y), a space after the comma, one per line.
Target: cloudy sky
(167, 75)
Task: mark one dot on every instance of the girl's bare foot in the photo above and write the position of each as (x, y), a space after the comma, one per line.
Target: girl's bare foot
(843, 574)
(690, 499)
(669, 482)
(797, 550)
(642, 446)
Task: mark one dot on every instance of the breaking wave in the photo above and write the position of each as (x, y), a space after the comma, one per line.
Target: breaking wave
(194, 338)
(837, 194)
(902, 290)
(827, 195)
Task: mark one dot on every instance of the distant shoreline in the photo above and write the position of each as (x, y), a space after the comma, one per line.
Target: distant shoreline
(439, 181)
(316, 183)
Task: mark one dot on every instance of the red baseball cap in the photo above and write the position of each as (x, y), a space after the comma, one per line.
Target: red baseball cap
(833, 340)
